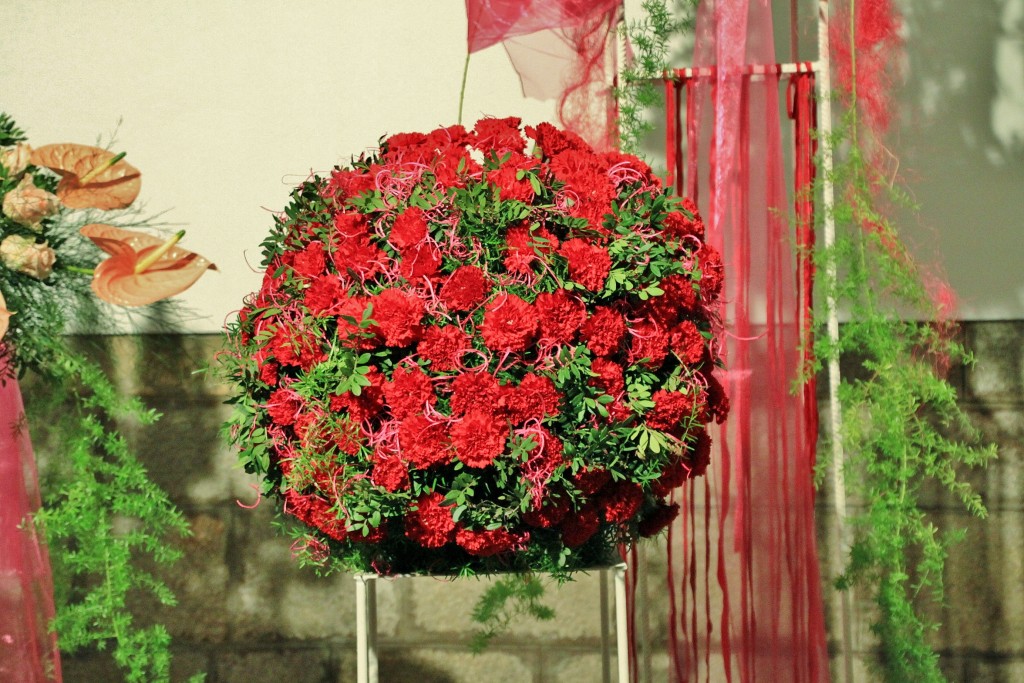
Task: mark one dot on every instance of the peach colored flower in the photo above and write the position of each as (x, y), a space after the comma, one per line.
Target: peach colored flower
(29, 205)
(15, 159)
(24, 255)
(91, 177)
(142, 268)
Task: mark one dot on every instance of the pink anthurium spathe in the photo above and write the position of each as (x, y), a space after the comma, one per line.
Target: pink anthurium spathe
(91, 177)
(142, 268)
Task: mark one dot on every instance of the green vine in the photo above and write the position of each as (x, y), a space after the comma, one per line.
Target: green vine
(638, 92)
(901, 425)
(509, 597)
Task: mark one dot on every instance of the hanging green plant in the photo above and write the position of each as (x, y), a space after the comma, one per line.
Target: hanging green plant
(901, 425)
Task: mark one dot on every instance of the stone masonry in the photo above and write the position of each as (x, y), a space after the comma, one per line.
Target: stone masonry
(248, 614)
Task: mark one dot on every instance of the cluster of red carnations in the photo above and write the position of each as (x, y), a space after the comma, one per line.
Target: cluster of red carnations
(480, 345)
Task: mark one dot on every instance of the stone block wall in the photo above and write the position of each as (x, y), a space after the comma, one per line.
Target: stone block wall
(248, 614)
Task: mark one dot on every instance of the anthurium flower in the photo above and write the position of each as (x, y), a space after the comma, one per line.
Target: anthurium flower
(28, 205)
(142, 268)
(91, 177)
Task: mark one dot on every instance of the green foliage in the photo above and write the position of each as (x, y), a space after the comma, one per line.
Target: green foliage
(506, 599)
(639, 90)
(901, 425)
(106, 522)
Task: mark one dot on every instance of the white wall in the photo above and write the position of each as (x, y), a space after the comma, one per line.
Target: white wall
(226, 104)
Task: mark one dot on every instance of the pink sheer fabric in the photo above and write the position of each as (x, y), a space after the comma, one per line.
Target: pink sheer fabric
(750, 522)
(28, 652)
(560, 49)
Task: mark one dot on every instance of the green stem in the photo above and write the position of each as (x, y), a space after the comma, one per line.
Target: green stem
(462, 90)
(77, 269)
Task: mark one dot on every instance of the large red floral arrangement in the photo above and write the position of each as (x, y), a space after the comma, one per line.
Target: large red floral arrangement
(479, 350)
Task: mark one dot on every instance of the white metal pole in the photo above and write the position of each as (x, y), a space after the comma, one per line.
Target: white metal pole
(366, 628)
(621, 622)
(824, 81)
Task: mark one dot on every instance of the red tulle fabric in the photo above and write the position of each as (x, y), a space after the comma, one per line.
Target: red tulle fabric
(28, 652)
(560, 49)
(750, 523)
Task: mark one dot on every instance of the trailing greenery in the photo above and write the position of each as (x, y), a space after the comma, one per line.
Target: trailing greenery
(639, 90)
(506, 599)
(106, 523)
(902, 428)
(104, 519)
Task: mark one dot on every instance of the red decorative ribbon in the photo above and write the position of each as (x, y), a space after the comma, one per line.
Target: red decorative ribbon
(757, 533)
(28, 652)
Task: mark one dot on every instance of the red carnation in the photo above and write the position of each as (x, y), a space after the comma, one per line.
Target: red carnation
(479, 438)
(679, 293)
(658, 519)
(679, 226)
(488, 542)
(324, 294)
(444, 347)
(284, 406)
(510, 324)
(649, 343)
(524, 245)
(367, 405)
(553, 141)
(699, 454)
(712, 272)
(535, 397)
(398, 315)
(561, 316)
(420, 261)
(578, 527)
(409, 391)
(687, 342)
(672, 411)
(608, 376)
(410, 228)
(620, 501)
(356, 256)
(311, 261)
(506, 177)
(677, 471)
(603, 331)
(346, 183)
(464, 289)
(589, 264)
(590, 481)
(549, 514)
(354, 307)
(351, 224)
(499, 135)
(424, 444)
(717, 407)
(430, 523)
(474, 389)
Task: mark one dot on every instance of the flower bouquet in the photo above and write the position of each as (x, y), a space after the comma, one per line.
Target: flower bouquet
(51, 273)
(468, 356)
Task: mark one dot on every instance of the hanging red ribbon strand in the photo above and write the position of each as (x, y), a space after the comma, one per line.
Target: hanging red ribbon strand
(758, 499)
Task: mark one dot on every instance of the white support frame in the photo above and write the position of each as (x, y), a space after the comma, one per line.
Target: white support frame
(366, 625)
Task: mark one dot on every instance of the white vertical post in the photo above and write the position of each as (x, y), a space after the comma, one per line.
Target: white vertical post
(606, 635)
(366, 628)
(621, 622)
(824, 81)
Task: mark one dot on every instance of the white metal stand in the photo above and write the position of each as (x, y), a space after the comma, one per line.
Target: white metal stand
(366, 625)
